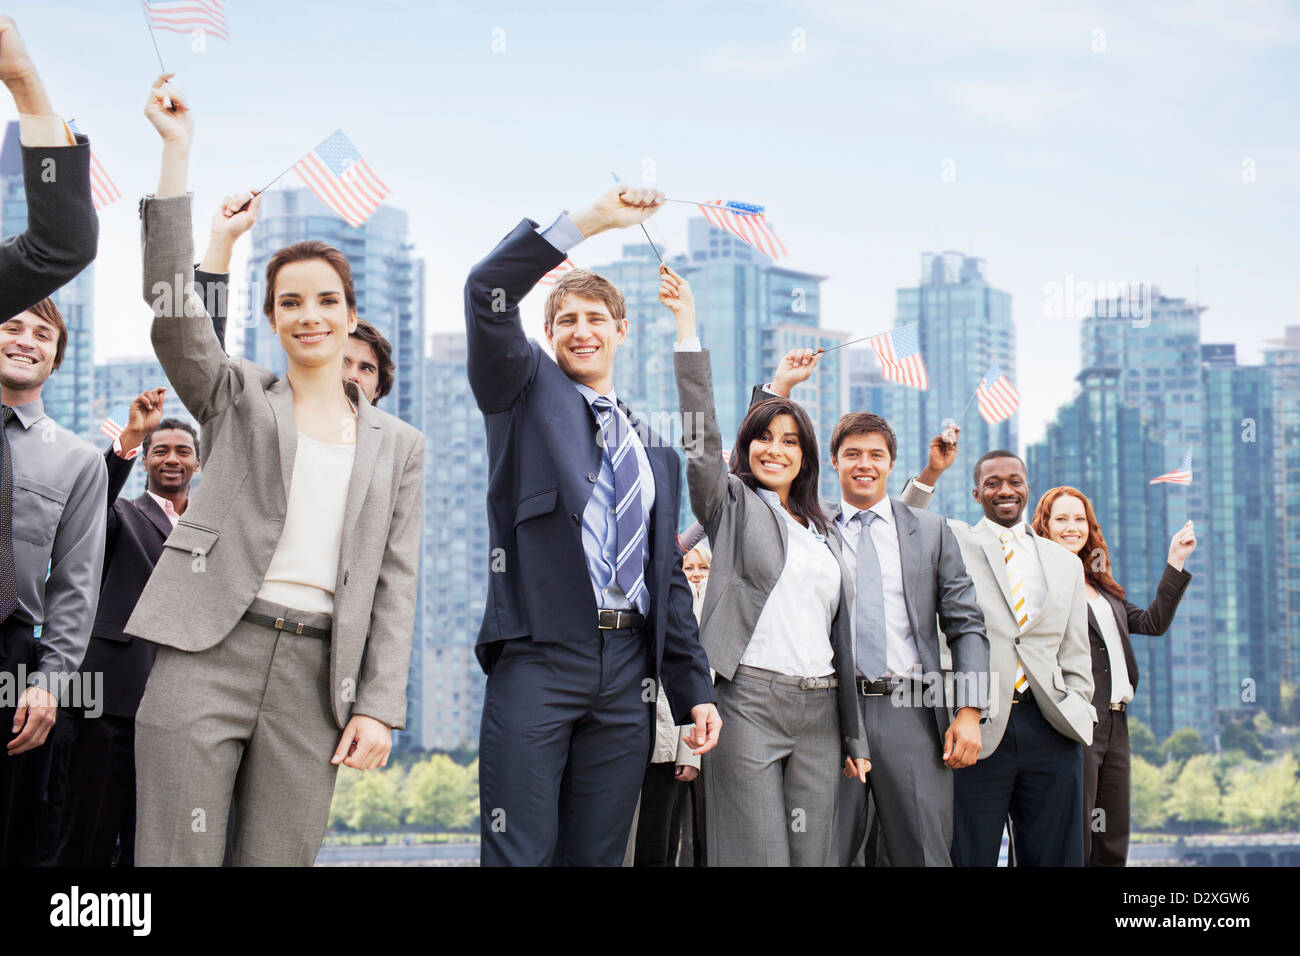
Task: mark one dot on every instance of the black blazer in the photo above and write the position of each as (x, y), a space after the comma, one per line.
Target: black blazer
(1131, 619)
(543, 456)
(62, 232)
(135, 533)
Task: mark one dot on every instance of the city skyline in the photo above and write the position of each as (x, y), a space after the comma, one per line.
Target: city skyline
(1019, 135)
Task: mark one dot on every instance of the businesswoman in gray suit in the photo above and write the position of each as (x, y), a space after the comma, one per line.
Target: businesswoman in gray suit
(775, 623)
(284, 600)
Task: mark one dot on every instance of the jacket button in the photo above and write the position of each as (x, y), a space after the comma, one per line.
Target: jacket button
(1017, 640)
(591, 476)
(574, 517)
(345, 579)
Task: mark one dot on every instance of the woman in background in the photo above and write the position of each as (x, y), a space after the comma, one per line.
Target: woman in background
(1065, 515)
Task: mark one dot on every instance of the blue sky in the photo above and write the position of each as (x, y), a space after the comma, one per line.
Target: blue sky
(1114, 164)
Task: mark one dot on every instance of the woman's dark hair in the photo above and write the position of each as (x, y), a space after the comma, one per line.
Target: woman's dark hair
(805, 498)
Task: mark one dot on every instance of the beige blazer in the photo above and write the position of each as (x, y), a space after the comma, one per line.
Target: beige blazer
(216, 558)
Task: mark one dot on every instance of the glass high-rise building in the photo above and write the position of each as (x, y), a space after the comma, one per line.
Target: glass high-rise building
(1282, 358)
(69, 394)
(963, 325)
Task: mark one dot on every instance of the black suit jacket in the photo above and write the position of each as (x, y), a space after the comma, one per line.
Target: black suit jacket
(543, 456)
(1131, 619)
(136, 530)
(62, 232)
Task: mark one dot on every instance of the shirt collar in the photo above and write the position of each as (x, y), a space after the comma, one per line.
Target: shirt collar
(773, 499)
(882, 508)
(165, 504)
(1019, 529)
(30, 413)
(590, 394)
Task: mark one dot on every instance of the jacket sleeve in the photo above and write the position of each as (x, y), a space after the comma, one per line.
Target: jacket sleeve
(62, 232)
(685, 666)
(1157, 618)
(914, 497)
(204, 377)
(1075, 653)
(386, 663)
(706, 473)
(213, 290)
(962, 621)
(499, 361)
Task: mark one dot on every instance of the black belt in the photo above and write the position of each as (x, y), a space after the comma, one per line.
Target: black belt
(879, 688)
(1021, 696)
(619, 620)
(280, 624)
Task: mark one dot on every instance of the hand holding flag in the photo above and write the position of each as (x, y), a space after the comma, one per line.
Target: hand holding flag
(618, 207)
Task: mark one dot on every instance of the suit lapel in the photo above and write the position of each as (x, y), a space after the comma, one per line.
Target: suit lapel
(997, 563)
(1047, 558)
(369, 438)
(909, 550)
(280, 395)
(157, 517)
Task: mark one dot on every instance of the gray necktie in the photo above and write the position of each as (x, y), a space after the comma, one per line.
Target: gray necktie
(869, 602)
(8, 578)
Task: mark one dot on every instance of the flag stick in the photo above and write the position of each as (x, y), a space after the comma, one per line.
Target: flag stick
(258, 192)
(864, 338)
(149, 24)
(643, 228)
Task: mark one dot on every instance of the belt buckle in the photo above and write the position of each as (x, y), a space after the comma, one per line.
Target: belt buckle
(603, 619)
(279, 624)
(811, 683)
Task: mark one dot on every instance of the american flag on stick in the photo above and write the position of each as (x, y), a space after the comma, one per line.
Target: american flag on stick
(344, 181)
(116, 421)
(186, 16)
(102, 188)
(746, 222)
(997, 397)
(1182, 475)
(899, 353)
(553, 276)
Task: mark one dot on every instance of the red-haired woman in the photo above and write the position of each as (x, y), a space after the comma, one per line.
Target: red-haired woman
(1065, 515)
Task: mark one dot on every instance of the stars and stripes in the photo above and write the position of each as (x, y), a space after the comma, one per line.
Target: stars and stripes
(899, 354)
(1182, 475)
(103, 190)
(997, 397)
(116, 421)
(186, 16)
(746, 222)
(344, 181)
(554, 275)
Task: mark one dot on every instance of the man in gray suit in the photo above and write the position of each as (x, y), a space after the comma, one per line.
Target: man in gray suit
(909, 579)
(1041, 714)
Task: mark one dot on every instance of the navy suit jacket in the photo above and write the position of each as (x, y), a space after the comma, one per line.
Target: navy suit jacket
(543, 458)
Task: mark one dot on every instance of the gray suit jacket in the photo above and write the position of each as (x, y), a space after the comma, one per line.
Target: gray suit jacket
(215, 560)
(748, 539)
(939, 593)
(1053, 646)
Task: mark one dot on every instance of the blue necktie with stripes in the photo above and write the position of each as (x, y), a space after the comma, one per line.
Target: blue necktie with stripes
(629, 521)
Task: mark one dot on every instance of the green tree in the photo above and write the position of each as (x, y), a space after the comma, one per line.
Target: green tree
(1150, 794)
(376, 803)
(440, 793)
(1195, 798)
(1183, 744)
(1264, 797)
(1142, 742)
(1237, 736)
(1263, 723)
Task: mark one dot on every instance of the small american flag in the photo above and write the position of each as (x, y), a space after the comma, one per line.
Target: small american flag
(344, 181)
(899, 353)
(553, 276)
(746, 222)
(997, 397)
(186, 16)
(102, 188)
(1182, 475)
(116, 421)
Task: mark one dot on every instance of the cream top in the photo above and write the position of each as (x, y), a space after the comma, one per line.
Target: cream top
(305, 565)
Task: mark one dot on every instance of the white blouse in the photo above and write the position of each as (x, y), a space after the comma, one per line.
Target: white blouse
(305, 565)
(1121, 687)
(793, 634)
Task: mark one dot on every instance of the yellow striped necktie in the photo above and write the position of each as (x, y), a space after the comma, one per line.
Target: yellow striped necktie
(1017, 584)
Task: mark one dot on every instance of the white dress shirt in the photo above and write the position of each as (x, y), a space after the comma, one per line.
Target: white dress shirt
(901, 655)
(1031, 566)
(1121, 688)
(793, 633)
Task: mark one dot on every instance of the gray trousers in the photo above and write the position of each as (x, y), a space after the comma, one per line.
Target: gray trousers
(772, 786)
(248, 719)
(910, 786)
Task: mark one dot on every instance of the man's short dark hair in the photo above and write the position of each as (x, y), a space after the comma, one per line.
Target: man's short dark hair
(989, 456)
(383, 356)
(863, 423)
(172, 423)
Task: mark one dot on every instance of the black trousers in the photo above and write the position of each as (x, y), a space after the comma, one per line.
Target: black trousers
(659, 823)
(1107, 772)
(95, 786)
(19, 775)
(563, 748)
(1036, 776)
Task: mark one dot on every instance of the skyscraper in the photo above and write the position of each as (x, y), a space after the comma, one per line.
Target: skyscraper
(963, 324)
(1282, 358)
(69, 394)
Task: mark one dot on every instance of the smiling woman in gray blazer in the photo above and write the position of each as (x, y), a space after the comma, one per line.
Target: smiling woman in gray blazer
(284, 600)
(775, 623)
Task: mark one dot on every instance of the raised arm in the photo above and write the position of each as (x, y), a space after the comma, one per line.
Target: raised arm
(183, 338)
(942, 454)
(706, 472)
(500, 361)
(234, 217)
(62, 228)
(1169, 592)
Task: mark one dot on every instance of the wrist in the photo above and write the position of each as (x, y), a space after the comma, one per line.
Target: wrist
(1176, 563)
(589, 222)
(28, 92)
(781, 387)
(929, 475)
(129, 440)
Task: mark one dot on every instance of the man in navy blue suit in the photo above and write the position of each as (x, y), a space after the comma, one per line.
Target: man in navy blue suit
(587, 604)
